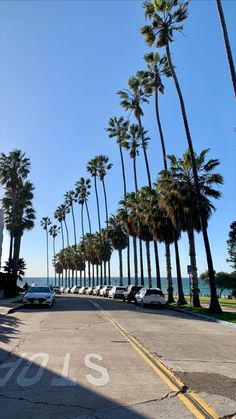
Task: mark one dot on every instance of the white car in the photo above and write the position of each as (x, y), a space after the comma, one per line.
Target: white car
(75, 289)
(96, 290)
(67, 290)
(82, 290)
(150, 296)
(62, 289)
(117, 292)
(105, 290)
(89, 291)
(40, 295)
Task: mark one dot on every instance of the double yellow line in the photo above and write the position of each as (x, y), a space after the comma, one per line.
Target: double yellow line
(195, 404)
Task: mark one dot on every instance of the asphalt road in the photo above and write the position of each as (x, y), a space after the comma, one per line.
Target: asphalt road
(88, 357)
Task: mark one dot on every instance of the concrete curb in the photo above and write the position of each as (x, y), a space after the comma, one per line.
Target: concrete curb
(202, 316)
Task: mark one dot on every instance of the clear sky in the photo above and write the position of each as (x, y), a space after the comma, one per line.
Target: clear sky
(62, 63)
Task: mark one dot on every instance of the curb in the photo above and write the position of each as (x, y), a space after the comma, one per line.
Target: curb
(202, 316)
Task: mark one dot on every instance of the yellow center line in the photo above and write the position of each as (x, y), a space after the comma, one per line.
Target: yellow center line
(191, 400)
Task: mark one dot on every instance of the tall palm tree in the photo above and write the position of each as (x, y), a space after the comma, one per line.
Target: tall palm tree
(227, 43)
(118, 129)
(60, 215)
(119, 240)
(92, 168)
(133, 144)
(45, 222)
(151, 79)
(82, 192)
(103, 167)
(54, 230)
(166, 17)
(14, 169)
(70, 198)
(132, 100)
(179, 198)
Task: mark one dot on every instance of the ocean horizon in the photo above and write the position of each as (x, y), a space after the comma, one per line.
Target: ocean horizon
(204, 288)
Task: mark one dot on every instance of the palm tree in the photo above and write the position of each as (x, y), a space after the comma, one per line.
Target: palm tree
(54, 230)
(21, 267)
(166, 17)
(92, 168)
(45, 222)
(133, 144)
(60, 215)
(227, 44)
(179, 198)
(82, 193)
(119, 240)
(70, 198)
(103, 167)
(118, 129)
(19, 220)
(14, 169)
(132, 100)
(151, 79)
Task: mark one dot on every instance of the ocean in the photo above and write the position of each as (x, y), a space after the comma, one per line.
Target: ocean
(204, 288)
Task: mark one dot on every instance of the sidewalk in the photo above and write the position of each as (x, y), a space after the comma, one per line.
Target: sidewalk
(7, 305)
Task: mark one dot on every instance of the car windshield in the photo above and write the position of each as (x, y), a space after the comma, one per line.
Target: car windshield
(40, 289)
(157, 292)
(121, 288)
(136, 289)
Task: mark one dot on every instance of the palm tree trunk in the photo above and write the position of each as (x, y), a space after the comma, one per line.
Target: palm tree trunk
(120, 267)
(67, 233)
(98, 208)
(16, 253)
(145, 152)
(105, 273)
(93, 275)
(73, 218)
(106, 208)
(10, 251)
(148, 264)
(62, 236)
(135, 261)
(124, 185)
(227, 44)
(160, 129)
(47, 258)
(54, 254)
(101, 274)
(169, 276)
(195, 301)
(158, 275)
(181, 299)
(89, 273)
(82, 220)
(97, 275)
(141, 262)
(89, 221)
(214, 303)
(80, 277)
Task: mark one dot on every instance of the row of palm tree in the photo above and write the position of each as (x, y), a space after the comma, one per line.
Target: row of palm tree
(179, 201)
(19, 214)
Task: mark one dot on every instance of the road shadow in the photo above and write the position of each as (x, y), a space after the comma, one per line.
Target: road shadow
(9, 328)
(30, 389)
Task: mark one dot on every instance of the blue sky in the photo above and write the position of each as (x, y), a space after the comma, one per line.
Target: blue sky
(62, 63)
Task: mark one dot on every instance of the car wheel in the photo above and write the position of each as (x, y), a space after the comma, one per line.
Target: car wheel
(143, 304)
(114, 297)
(129, 301)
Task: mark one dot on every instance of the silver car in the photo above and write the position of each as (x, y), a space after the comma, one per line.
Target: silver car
(40, 295)
(150, 296)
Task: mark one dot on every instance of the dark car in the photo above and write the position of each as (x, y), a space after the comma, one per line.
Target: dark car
(131, 292)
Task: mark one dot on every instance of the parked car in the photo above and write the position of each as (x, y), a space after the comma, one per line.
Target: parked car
(82, 290)
(62, 289)
(89, 291)
(40, 295)
(96, 290)
(150, 296)
(57, 289)
(132, 290)
(105, 290)
(117, 292)
(67, 290)
(75, 289)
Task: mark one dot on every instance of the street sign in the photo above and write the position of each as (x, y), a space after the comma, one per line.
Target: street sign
(189, 269)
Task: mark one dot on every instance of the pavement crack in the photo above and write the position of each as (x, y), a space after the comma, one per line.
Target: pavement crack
(24, 399)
